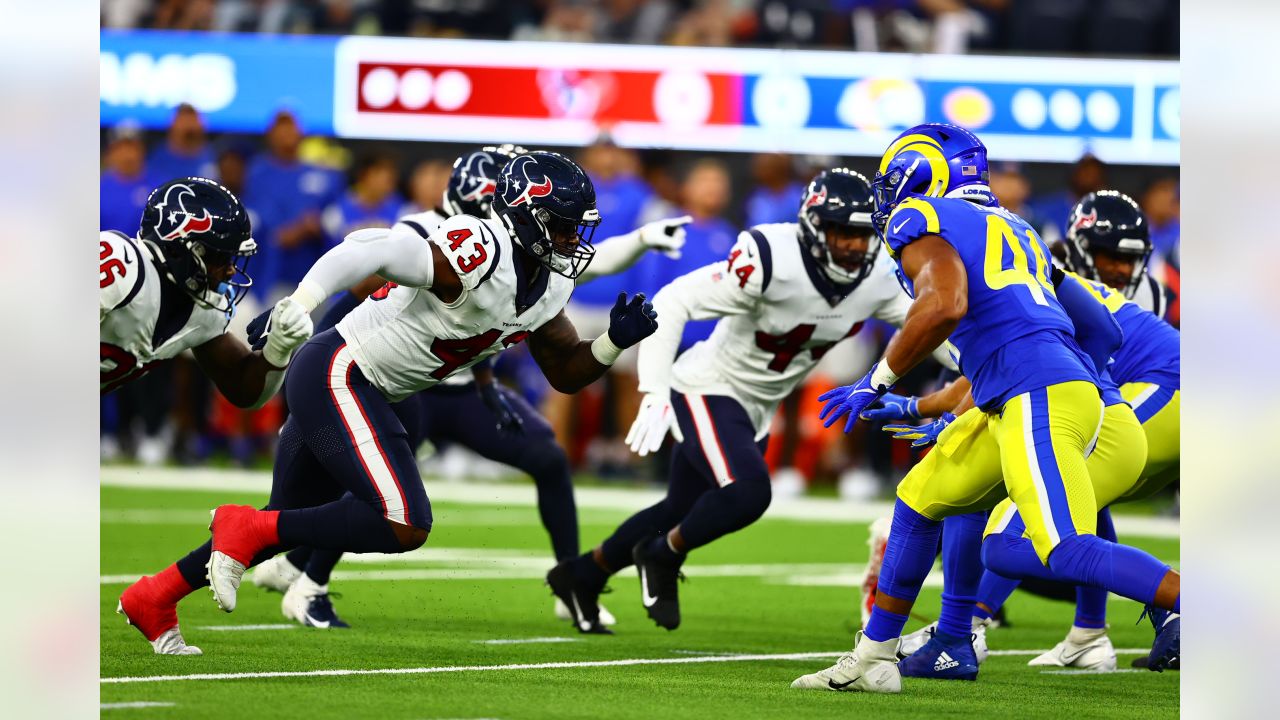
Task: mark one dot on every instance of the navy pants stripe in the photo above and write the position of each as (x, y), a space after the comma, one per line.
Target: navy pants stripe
(343, 435)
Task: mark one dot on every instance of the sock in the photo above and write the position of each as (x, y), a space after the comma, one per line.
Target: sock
(171, 585)
(725, 510)
(660, 549)
(962, 571)
(647, 523)
(1121, 569)
(308, 586)
(346, 524)
(993, 591)
(1084, 636)
(1091, 602)
(299, 557)
(321, 565)
(908, 556)
(193, 565)
(588, 572)
(549, 466)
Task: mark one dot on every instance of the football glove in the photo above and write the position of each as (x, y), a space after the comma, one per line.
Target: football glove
(509, 421)
(631, 322)
(280, 331)
(655, 419)
(921, 435)
(894, 407)
(665, 235)
(851, 399)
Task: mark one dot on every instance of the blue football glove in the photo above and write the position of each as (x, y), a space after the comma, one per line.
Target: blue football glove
(921, 435)
(894, 407)
(258, 329)
(631, 322)
(851, 399)
(509, 421)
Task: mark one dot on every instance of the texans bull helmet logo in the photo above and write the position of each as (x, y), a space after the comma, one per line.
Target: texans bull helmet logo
(1084, 221)
(175, 220)
(526, 181)
(478, 178)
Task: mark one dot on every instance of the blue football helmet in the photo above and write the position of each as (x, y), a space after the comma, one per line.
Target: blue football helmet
(1109, 223)
(931, 160)
(548, 204)
(474, 178)
(200, 235)
(838, 197)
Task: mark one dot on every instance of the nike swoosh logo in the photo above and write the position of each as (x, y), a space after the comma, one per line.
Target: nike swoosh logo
(1068, 659)
(649, 600)
(900, 225)
(314, 622)
(577, 613)
(840, 686)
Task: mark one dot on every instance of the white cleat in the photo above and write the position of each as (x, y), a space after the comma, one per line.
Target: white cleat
(980, 639)
(606, 618)
(870, 667)
(224, 574)
(1084, 649)
(171, 643)
(276, 574)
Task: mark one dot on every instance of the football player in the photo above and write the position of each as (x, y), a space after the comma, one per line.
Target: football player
(1109, 241)
(345, 477)
(786, 294)
(465, 408)
(175, 286)
(980, 276)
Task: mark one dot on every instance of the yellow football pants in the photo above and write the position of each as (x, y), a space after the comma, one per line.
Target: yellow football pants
(1159, 409)
(1036, 445)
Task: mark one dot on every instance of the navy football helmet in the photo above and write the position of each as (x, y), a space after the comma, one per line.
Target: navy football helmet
(475, 177)
(1109, 240)
(838, 201)
(200, 235)
(549, 206)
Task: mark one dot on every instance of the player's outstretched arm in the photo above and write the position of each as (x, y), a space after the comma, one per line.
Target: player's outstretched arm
(942, 299)
(570, 363)
(618, 253)
(243, 376)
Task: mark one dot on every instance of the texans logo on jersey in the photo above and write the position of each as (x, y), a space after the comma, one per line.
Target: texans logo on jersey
(479, 178)
(525, 181)
(175, 220)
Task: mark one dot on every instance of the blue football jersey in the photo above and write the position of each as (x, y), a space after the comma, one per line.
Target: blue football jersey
(1151, 351)
(1015, 336)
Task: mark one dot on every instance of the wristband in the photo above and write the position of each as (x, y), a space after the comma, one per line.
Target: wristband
(309, 295)
(604, 351)
(882, 376)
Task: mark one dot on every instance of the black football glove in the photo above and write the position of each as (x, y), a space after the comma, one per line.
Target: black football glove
(631, 322)
(509, 421)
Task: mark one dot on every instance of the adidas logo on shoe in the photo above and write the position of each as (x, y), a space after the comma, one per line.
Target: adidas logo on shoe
(944, 662)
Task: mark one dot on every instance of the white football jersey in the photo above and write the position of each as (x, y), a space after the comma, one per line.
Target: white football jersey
(406, 339)
(429, 220)
(143, 319)
(779, 313)
(1151, 296)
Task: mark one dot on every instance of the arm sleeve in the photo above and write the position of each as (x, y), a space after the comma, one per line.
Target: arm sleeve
(613, 255)
(711, 291)
(1097, 330)
(398, 254)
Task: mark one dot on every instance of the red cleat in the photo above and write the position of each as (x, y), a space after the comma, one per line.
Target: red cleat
(239, 533)
(151, 605)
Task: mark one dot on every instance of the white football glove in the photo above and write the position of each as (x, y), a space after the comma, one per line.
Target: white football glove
(287, 329)
(665, 235)
(655, 419)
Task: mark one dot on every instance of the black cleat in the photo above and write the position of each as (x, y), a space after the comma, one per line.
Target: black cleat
(658, 586)
(583, 602)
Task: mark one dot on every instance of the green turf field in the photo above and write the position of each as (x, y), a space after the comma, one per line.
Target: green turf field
(423, 626)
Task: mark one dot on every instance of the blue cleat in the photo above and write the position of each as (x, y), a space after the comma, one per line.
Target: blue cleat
(1166, 650)
(944, 657)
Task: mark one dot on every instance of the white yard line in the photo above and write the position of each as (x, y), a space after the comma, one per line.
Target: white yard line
(233, 628)
(687, 660)
(1066, 671)
(525, 641)
(132, 705)
(524, 494)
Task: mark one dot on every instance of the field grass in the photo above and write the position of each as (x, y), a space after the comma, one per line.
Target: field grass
(783, 586)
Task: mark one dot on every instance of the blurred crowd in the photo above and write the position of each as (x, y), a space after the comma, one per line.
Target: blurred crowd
(305, 194)
(1101, 27)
